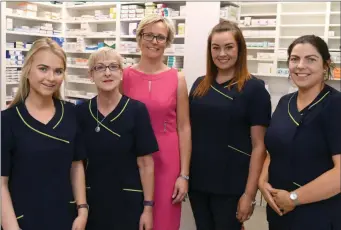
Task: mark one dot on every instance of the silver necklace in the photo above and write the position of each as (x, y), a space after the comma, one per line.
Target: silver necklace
(97, 129)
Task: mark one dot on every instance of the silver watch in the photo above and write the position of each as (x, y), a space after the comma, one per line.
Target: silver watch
(294, 198)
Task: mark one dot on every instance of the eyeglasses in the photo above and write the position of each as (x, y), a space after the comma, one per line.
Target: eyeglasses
(102, 68)
(150, 37)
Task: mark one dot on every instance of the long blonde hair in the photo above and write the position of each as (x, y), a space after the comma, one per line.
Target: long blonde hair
(24, 85)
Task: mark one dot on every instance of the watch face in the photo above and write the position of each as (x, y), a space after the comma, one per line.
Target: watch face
(293, 196)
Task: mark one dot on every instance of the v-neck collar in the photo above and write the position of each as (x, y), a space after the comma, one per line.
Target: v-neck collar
(51, 124)
(114, 114)
(297, 116)
(223, 90)
(111, 117)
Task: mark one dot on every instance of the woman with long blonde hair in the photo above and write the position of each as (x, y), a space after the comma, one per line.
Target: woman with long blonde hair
(42, 175)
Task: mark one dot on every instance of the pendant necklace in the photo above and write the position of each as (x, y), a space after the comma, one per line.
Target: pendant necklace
(97, 129)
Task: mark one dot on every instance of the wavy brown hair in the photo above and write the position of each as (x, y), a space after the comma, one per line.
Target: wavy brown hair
(241, 72)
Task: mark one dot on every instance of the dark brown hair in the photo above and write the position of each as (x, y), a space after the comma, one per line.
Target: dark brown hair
(241, 74)
(320, 45)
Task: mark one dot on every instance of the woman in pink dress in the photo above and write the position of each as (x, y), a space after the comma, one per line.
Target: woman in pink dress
(164, 91)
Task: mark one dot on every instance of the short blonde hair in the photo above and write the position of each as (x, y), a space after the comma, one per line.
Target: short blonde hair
(102, 53)
(24, 84)
(155, 18)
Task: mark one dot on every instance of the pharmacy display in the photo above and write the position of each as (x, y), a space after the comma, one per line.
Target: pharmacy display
(82, 27)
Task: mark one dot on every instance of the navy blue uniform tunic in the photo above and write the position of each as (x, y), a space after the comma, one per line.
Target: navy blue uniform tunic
(221, 140)
(301, 145)
(114, 189)
(37, 158)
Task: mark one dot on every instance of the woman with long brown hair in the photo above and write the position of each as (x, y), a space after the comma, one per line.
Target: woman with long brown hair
(229, 110)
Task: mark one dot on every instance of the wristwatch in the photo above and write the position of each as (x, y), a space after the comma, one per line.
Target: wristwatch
(148, 203)
(294, 198)
(184, 177)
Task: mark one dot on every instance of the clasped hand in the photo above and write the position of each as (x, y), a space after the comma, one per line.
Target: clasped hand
(279, 200)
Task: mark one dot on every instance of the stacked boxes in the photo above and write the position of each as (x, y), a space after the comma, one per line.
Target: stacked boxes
(12, 75)
(132, 11)
(263, 44)
(229, 13)
(128, 46)
(14, 57)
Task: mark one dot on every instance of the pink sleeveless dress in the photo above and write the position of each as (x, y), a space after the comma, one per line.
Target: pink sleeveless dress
(159, 93)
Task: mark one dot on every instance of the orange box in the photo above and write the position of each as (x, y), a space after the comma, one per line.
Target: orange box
(337, 72)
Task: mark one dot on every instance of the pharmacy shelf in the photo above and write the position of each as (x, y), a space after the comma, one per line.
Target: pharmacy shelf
(91, 36)
(49, 5)
(303, 25)
(80, 82)
(138, 54)
(335, 12)
(78, 96)
(260, 48)
(77, 67)
(269, 75)
(33, 18)
(90, 6)
(257, 26)
(334, 25)
(258, 14)
(105, 21)
(14, 66)
(303, 13)
(17, 49)
(259, 59)
(32, 34)
(12, 83)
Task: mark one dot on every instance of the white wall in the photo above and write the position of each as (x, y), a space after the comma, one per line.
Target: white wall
(2, 56)
(197, 31)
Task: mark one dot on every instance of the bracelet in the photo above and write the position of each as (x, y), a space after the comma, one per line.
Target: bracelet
(83, 206)
(253, 202)
(148, 203)
(184, 177)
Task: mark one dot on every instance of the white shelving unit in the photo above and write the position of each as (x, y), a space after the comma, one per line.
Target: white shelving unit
(93, 24)
(293, 19)
(264, 39)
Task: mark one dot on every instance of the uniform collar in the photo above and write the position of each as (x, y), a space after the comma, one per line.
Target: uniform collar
(53, 123)
(297, 116)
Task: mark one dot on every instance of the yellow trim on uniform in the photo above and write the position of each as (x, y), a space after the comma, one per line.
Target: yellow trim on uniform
(319, 100)
(131, 190)
(297, 184)
(292, 118)
(238, 150)
(61, 117)
(88, 187)
(222, 93)
(19, 217)
(72, 202)
(100, 122)
(124, 107)
(231, 84)
(44, 134)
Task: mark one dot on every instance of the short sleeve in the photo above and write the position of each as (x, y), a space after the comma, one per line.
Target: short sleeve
(145, 140)
(80, 149)
(259, 106)
(7, 143)
(333, 124)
